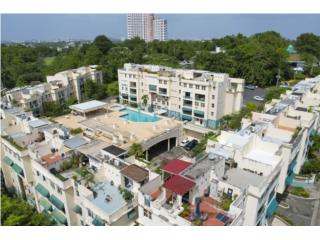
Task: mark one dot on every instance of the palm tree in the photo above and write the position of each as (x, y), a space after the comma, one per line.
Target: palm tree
(136, 150)
(145, 99)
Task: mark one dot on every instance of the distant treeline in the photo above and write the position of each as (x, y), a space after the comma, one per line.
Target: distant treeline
(257, 58)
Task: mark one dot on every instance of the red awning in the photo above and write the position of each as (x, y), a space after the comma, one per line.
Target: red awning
(179, 185)
(175, 166)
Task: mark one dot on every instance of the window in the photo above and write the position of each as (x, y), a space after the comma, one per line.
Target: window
(59, 190)
(190, 85)
(147, 213)
(203, 87)
(196, 103)
(90, 213)
(165, 81)
(211, 113)
(202, 104)
(212, 105)
(43, 178)
(38, 174)
(52, 185)
(160, 81)
(185, 85)
(179, 91)
(213, 97)
(197, 86)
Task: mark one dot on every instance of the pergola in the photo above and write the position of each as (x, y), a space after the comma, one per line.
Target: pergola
(87, 107)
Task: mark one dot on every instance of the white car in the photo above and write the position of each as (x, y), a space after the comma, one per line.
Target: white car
(184, 142)
(258, 98)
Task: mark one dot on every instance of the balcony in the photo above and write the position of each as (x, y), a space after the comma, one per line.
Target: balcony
(187, 111)
(163, 91)
(199, 114)
(200, 97)
(133, 91)
(186, 118)
(187, 103)
(152, 88)
(188, 97)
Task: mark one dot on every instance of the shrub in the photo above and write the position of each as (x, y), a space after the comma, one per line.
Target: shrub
(299, 191)
(76, 130)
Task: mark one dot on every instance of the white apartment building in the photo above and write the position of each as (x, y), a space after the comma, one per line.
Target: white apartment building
(59, 87)
(146, 27)
(160, 29)
(200, 97)
(34, 161)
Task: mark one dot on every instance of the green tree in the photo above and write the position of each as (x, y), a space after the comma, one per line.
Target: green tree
(136, 150)
(113, 89)
(308, 43)
(145, 99)
(103, 43)
(16, 212)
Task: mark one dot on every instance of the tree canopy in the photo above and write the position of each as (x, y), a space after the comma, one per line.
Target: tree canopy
(256, 58)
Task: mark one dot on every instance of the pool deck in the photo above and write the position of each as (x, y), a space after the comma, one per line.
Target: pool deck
(113, 124)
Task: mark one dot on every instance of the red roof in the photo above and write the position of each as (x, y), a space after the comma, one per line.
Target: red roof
(179, 185)
(175, 166)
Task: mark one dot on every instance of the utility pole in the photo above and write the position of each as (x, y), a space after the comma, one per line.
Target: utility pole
(278, 77)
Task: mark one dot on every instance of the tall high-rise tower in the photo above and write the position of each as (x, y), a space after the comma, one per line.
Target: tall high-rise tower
(146, 27)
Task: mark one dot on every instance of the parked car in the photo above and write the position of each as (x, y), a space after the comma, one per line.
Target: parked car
(258, 98)
(251, 87)
(190, 145)
(184, 142)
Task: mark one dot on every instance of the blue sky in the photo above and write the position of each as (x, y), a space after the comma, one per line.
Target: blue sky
(20, 27)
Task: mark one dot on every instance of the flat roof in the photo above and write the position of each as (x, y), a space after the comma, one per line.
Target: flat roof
(241, 178)
(175, 166)
(114, 150)
(37, 123)
(75, 142)
(179, 185)
(108, 198)
(88, 106)
(135, 173)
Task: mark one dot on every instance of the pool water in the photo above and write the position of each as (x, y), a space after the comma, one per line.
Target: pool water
(135, 116)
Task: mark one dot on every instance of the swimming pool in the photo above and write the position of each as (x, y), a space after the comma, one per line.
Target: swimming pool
(135, 116)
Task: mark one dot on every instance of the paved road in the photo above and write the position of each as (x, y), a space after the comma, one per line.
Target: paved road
(249, 94)
(300, 211)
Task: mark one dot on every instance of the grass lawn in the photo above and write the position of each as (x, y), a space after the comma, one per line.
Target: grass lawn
(299, 191)
(48, 60)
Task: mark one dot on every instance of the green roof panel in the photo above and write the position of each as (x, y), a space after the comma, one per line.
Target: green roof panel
(98, 222)
(8, 161)
(45, 204)
(17, 169)
(60, 218)
(77, 209)
(56, 202)
(42, 190)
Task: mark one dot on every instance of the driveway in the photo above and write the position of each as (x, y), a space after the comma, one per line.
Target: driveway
(300, 210)
(249, 94)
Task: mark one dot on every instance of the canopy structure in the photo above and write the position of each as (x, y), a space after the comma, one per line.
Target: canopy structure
(42, 190)
(56, 202)
(87, 107)
(175, 166)
(179, 185)
(60, 218)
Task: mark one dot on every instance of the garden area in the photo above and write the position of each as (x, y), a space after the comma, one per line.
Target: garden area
(299, 191)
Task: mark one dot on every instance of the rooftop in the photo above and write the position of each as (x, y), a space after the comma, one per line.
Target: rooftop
(175, 166)
(241, 178)
(107, 197)
(51, 158)
(88, 106)
(135, 173)
(114, 150)
(179, 185)
(75, 142)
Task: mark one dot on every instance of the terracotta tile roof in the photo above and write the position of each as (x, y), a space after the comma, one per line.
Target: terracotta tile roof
(175, 166)
(135, 173)
(50, 158)
(178, 184)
